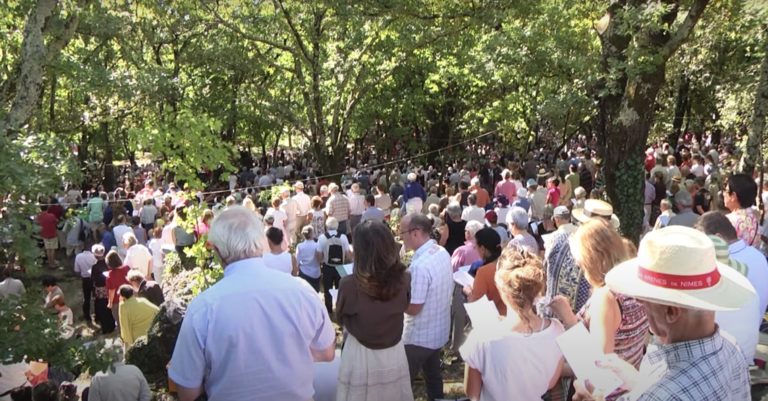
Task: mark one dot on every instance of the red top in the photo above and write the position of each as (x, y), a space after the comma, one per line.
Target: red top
(57, 211)
(47, 223)
(116, 278)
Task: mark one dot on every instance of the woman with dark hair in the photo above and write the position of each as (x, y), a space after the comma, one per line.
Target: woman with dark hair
(489, 248)
(100, 293)
(118, 275)
(739, 197)
(370, 308)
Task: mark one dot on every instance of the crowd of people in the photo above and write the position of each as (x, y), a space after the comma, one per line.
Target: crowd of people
(676, 318)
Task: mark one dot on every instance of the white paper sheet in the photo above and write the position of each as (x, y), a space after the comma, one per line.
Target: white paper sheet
(463, 278)
(582, 351)
(482, 312)
(344, 270)
(464, 268)
(334, 294)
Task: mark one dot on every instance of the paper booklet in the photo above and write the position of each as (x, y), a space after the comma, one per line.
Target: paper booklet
(344, 270)
(482, 313)
(581, 350)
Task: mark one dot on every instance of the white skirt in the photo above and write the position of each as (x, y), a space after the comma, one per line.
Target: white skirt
(373, 375)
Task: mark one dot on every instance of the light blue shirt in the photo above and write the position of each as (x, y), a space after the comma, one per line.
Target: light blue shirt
(248, 337)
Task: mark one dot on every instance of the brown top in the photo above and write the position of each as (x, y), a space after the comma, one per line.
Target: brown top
(375, 324)
(485, 285)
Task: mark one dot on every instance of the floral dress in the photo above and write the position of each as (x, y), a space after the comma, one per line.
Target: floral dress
(746, 223)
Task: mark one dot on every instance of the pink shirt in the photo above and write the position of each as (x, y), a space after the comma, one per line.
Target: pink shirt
(464, 255)
(553, 196)
(506, 188)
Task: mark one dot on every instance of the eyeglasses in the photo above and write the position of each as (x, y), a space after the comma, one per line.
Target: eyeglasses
(401, 233)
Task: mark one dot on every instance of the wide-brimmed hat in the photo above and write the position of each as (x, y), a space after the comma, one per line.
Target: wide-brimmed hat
(678, 266)
(543, 173)
(594, 208)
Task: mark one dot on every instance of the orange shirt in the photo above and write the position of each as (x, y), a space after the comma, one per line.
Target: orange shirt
(482, 197)
(485, 285)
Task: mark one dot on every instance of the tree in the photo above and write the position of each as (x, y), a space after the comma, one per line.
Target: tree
(754, 143)
(637, 39)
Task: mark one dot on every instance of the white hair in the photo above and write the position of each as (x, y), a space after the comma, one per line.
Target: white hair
(473, 227)
(454, 210)
(474, 181)
(331, 223)
(237, 234)
(333, 187)
(130, 239)
(518, 217)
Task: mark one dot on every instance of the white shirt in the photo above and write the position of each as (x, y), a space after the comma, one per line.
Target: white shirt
(475, 213)
(431, 286)
(741, 324)
(758, 270)
(217, 348)
(305, 255)
(279, 216)
(303, 202)
(698, 170)
(513, 363)
(356, 203)
(139, 258)
(232, 182)
(290, 208)
(84, 261)
(11, 286)
(280, 262)
(118, 231)
(148, 214)
(156, 248)
(323, 239)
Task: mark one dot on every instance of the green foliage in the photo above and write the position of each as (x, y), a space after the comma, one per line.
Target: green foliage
(30, 333)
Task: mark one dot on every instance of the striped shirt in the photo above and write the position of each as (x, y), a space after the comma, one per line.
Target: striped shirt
(338, 207)
(706, 369)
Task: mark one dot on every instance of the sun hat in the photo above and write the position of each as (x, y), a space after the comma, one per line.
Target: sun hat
(543, 173)
(594, 208)
(97, 249)
(677, 266)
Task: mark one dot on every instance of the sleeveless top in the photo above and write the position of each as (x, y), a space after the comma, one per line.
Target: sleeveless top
(455, 235)
(630, 340)
(281, 262)
(318, 222)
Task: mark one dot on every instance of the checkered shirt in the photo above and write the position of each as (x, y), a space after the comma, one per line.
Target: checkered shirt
(700, 370)
(431, 285)
(338, 207)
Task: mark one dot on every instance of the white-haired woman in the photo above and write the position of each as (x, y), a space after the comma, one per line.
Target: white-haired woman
(414, 195)
(452, 232)
(517, 221)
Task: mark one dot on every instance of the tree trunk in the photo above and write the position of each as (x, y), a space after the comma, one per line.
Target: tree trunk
(754, 142)
(33, 60)
(109, 167)
(681, 103)
(627, 105)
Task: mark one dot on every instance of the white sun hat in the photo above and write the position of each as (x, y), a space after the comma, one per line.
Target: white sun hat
(677, 266)
(594, 208)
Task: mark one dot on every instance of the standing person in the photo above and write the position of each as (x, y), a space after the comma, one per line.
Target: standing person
(291, 209)
(148, 214)
(84, 262)
(317, 216)
(278, 257)
(337, 207)
(428, 317)
(489, 247)
(505, 187)
(49, 234)
(356, 206)
(136, 315)
(119, 231)
(414, 195)
(118, 275)
(473, 212)
(616, 321)
(553, 192)
(143, 288)
(120, 382)
(303, 204)
(739, 196)
(680, 283)
(482, 196)
(137, 256)
(371, 211)
(454, 228)
(309, 267)
(519, 356)
(155, 246)
(95, 208)
(332, 251)
(279, 361)
(383, 201)
(370, 308)
(100, 293)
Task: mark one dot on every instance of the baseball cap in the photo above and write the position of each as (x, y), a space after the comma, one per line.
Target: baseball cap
(561, 212)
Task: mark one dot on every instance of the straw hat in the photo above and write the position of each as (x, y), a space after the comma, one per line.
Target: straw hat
(678, 266)
(594, 208)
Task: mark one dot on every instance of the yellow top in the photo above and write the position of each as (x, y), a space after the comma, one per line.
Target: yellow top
(136, 315)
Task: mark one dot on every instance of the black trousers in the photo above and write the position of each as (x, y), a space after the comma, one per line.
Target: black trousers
(427, 361)
(314, 282)
(87, 291)
(331, 279)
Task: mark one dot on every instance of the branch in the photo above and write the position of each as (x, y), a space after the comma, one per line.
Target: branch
(59, 42)
(684, 30)
(248, 36)
(294, 31)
